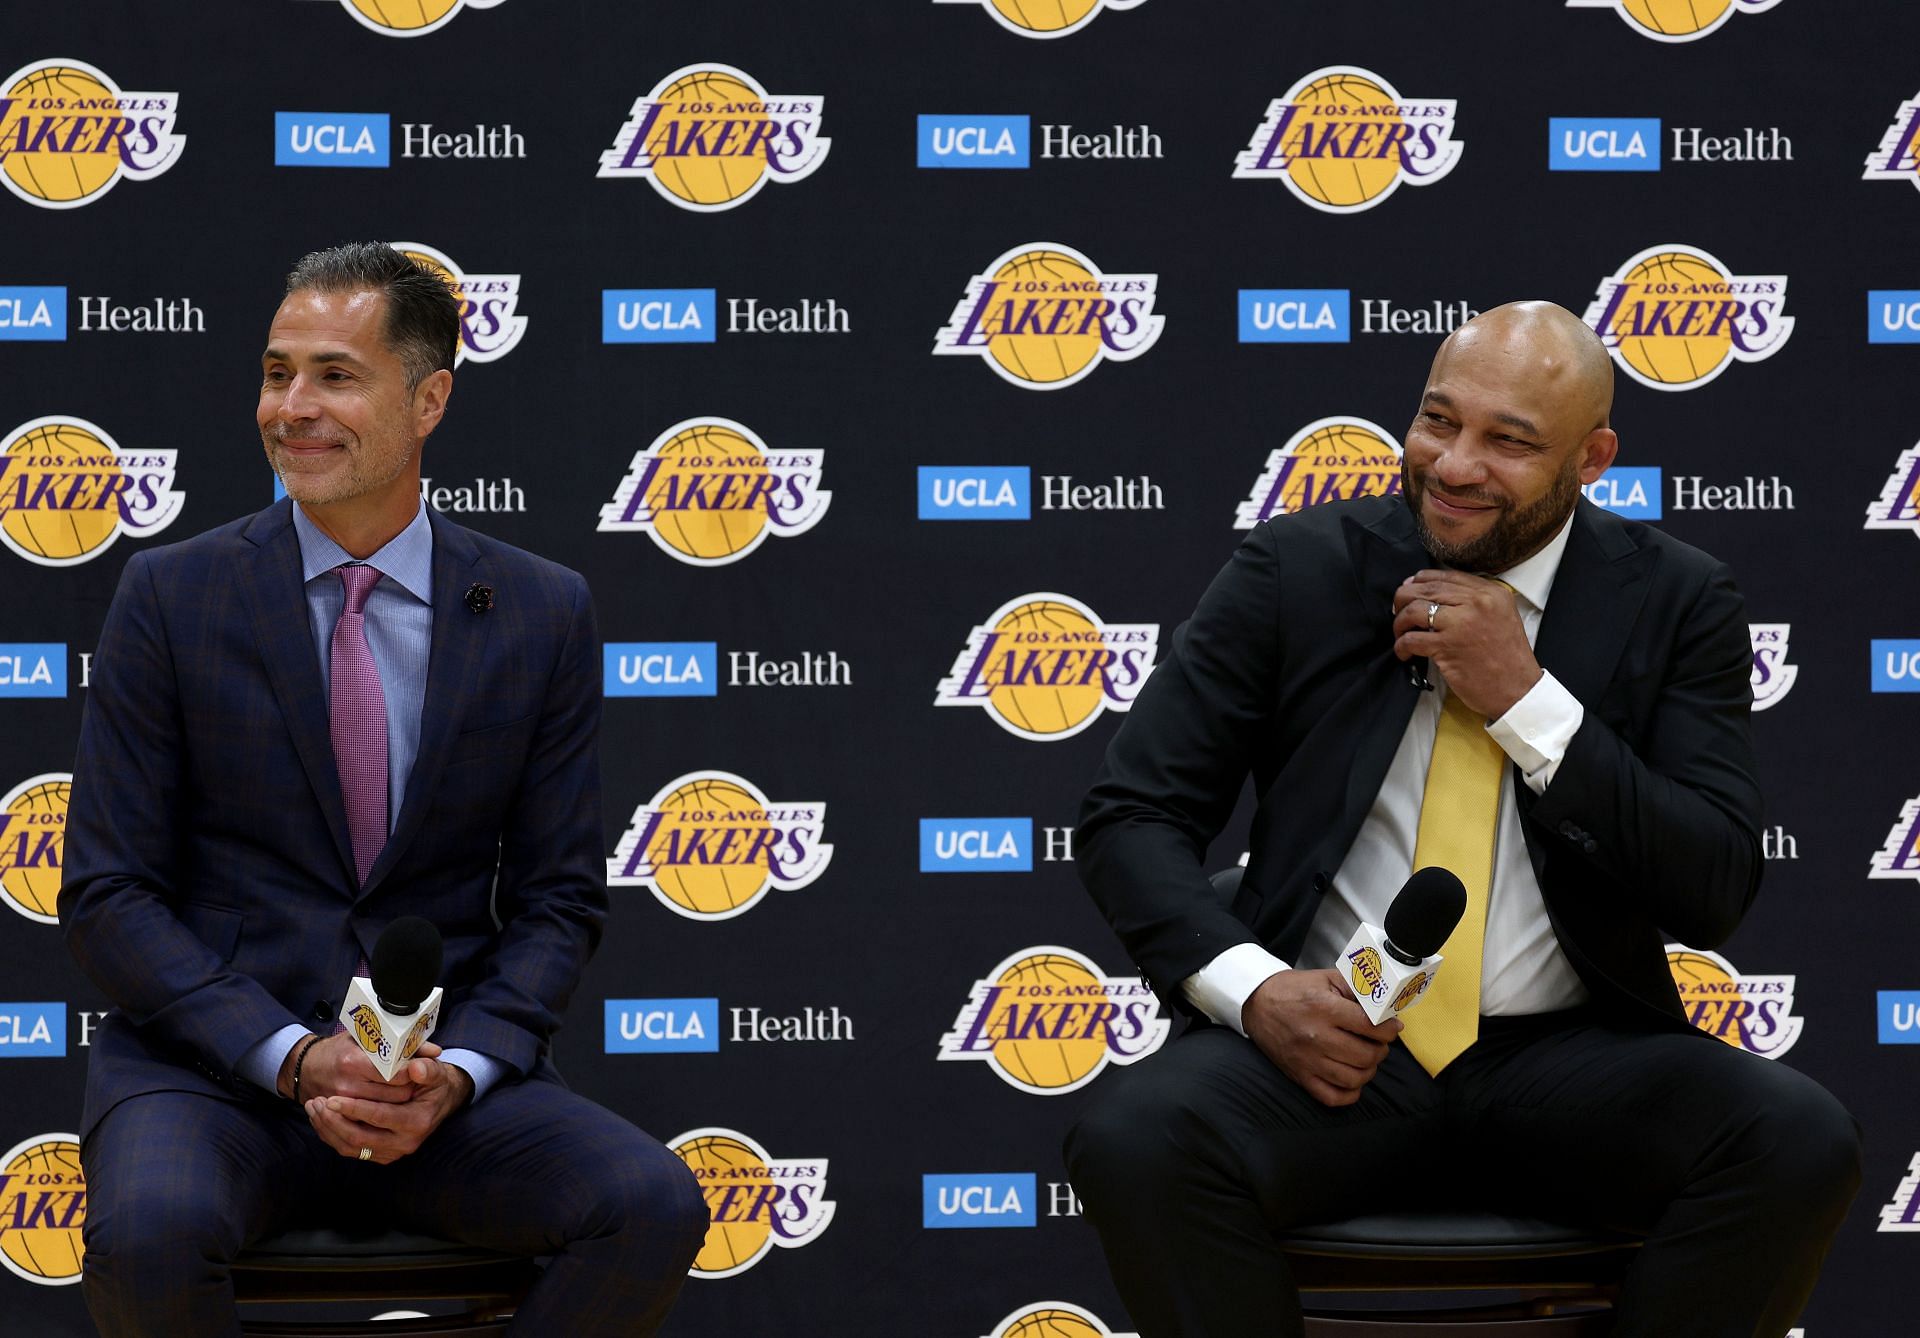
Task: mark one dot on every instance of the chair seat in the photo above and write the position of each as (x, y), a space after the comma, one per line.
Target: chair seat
(334, 1249)
(1452, 1235)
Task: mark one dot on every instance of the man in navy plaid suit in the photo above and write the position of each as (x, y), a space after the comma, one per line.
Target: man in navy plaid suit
(228, 866)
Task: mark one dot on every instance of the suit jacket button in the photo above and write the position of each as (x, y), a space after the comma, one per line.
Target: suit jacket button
(1589, 845)
(323, 1010)
(1319, 882)
(1567, 829)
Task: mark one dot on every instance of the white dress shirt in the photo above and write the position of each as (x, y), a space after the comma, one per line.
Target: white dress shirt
(1523, 969)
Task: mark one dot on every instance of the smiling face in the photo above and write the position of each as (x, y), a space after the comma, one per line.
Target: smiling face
(339, 423)
(1511, 424)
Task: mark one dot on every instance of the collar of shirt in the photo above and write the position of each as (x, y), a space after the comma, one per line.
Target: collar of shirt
(406, 559)
(1532, 579)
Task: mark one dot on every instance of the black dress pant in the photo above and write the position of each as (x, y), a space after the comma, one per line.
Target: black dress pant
(1738, 1169)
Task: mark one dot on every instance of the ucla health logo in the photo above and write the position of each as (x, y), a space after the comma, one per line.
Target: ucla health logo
(68, 134)
(976, 845)
(1751, 1013)
(67, 491)
(1043, 315)
(1896, 159)
(1044, 666)
(1674, 318)
(753, 1201)
(974, 141)
(660, 668)
(1893, 316)
(710, 845)
(1328, 460)
(1675, 20)
(709, 137)
(43, 1201)
(1898, 506)
(1047, 1021)
(975, 492)
(332, 139)
(1296, 316)
(33, 313)
(489, 329)
(1772, 675)
(1045, 18)
(984, 1199)
(1632, 491)
(1603, 144)
(1343, 140)
(1899, 1017)
(1896, 665)
(1900, 856)
(33, 1030)
(33, 669)
(709, 491)
(410, 18)
(662, 1026)
(1056, 1319)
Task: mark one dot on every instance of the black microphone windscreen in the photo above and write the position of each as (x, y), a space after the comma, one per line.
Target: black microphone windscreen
(406, 963)
(1426, 911)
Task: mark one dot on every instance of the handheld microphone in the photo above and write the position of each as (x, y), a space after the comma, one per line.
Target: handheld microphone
(393, 1010)
(1390, 970)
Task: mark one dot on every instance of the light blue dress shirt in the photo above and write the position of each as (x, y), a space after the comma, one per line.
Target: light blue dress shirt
(400, 634)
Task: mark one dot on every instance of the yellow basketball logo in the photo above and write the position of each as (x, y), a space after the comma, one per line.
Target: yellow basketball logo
(1045, 18)
(709, 137)
(1675, 20)
(1048, 1021)
(410, 18)
(43, 1205)
(33, 842)
(68, 134)
(1044, 666)
(1042, 315)
(1674, 318)
(1328, 460)
(710, 845)
(1898, 506)
(754, 1201)
(67, 491)
(1751, 1013)
(708, 491)
(1054, 1319)
(1342, 140)
(489, 329)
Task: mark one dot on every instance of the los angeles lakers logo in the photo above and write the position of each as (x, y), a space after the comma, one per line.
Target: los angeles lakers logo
(1773, 677)
(1045, 18)
(1328, 460)
(1675, 20)
(1054, 1319)
(33, 841)
(709, 137)
(67, 491)
(1343, 140)
(68, 133)
(1902, 1212)
(1751, 1013)
(1898, 506)
(1043, 316)
(489, 329)
(410, 18)
(1047, 1021)
(709, 491)
(1044, 666)
(1898, 157)
(43, 1205)
(1900, 856)
(1674, 317)
(710, 845)
(755, 1201)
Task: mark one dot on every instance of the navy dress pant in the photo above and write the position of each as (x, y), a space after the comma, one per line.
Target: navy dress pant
(179, 1183)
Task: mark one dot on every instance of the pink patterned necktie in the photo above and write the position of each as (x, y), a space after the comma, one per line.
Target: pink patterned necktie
(359, 722)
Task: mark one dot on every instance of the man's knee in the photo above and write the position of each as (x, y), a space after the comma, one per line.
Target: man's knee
(145, 1227)
(1127, 1145)
(647, 1193)
(1813, 1148)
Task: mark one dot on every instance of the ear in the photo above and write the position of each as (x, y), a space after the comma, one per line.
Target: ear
(1597, 452)
(430, 402)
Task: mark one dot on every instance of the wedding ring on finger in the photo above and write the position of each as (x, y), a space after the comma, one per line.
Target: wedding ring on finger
(366, 1154)
(1432, 609)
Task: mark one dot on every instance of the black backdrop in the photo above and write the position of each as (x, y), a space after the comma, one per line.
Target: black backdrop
(875, 958)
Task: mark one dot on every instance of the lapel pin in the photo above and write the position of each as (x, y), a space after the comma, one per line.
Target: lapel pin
(479, 597)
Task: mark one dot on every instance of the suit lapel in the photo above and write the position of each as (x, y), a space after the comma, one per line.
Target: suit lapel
(453, 665)
(1603, 579)
(1384, 554)
(272, 586)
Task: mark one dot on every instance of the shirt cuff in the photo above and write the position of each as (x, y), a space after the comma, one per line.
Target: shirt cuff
(1537, 729)
(484, 1070)
(1221, 988)
(261, 1065)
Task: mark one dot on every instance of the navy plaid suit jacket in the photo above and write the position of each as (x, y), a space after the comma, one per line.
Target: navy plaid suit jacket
(209, 887)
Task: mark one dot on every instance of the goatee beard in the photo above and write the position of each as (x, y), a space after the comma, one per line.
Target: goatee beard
(1514, 536)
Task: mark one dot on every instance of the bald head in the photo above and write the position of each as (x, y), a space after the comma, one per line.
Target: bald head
(1545, 347)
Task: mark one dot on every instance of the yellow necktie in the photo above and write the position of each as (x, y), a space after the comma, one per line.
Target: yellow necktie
(1459, 817)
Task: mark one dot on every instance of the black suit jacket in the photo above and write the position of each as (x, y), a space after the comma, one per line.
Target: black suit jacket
(1286, 672)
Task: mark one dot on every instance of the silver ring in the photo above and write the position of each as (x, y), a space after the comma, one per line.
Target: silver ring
(366, 1154)
(1432, 609)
